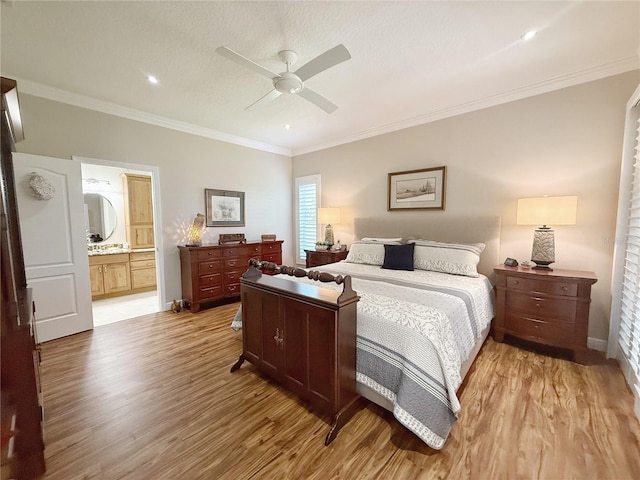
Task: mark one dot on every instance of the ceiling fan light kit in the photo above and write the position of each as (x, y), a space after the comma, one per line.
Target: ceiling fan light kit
(288, 83)
(293, 82)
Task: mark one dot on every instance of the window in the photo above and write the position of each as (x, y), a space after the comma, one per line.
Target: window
(624, 335)
(307, 202)
(629, 338)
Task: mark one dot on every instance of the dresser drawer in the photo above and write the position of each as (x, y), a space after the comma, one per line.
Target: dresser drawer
(233, 276)
(240, 263)
(271, 248)
(210, 280)
(208, 253)
(232, 289)
(567, 289)
(209, 267)
(540, 306)
(253, 250)
(541, 330)
(241, 251)
(272, 257)
(209, 292)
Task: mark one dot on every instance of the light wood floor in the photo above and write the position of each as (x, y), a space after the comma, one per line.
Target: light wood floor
(152, 398)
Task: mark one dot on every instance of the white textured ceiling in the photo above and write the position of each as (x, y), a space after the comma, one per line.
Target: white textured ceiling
(411, 61)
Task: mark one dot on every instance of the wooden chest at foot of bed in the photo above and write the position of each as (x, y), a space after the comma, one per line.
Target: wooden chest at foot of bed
(304, 337)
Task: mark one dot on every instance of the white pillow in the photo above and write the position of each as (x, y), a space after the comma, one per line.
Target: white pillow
(369, 253)
(454, 258)
(391, 241)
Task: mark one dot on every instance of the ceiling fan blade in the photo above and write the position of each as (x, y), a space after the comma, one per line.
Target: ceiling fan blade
(318, 100)
(244, 61)
(323, 61)
(272, 95)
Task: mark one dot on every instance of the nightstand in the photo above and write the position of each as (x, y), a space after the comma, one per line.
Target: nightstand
(550, 307)
(316, 258)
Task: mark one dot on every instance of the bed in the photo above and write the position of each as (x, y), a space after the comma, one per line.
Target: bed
(419, 326)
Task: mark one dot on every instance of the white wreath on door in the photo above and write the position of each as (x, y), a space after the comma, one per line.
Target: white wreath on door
(41, 188)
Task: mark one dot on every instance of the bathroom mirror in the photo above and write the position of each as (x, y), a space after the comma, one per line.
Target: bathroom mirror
(99, 216)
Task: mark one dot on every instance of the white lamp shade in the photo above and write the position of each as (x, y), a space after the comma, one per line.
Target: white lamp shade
(328, 215)
(547, 211)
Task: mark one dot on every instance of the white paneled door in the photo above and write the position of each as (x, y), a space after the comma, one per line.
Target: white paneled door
(54, 244)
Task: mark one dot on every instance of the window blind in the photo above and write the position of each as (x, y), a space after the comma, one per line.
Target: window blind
(629, 330)
(307, 203)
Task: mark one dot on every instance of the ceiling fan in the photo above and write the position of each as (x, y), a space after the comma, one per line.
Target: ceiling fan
(293, 82)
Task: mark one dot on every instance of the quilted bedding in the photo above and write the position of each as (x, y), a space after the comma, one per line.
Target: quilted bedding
(414, 331)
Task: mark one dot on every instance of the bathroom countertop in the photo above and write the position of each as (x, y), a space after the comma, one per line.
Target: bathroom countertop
(108, 251)
(113, 250)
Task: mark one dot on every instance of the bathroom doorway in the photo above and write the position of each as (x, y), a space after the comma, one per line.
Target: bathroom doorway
(122, 220)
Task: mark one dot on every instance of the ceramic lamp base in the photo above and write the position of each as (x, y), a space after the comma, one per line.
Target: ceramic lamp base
(543, 252)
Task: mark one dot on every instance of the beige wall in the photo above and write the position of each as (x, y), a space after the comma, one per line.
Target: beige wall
(566, 142)
(187, 165)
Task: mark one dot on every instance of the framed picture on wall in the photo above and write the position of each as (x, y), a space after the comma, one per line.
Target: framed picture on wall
(416, 189)
(224, 208)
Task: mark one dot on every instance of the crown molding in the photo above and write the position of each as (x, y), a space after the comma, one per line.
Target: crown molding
(63, 96)
(556, 83)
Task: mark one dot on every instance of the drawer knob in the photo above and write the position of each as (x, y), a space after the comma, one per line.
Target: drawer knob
(516, 282)
(538, 305)
(564, 287)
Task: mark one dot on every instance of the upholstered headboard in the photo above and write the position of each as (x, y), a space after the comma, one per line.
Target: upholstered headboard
(443, 229)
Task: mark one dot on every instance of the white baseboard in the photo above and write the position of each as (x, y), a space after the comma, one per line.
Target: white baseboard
(597, 344)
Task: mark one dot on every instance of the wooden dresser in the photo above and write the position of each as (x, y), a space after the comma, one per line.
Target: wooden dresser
(212, 272)
(315, 258)
(304, 337)
(547, 307)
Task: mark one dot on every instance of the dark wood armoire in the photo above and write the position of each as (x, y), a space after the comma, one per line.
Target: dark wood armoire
(21, 407)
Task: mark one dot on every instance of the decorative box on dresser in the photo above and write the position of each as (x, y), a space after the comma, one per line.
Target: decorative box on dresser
(315, 258)
(550, 307)
(212, 272)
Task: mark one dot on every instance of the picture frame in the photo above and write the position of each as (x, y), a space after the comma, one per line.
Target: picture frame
(422, 189)
(224, 208)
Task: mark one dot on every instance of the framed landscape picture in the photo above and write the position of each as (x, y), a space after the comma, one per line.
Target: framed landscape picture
(224, 208)
(416, 189)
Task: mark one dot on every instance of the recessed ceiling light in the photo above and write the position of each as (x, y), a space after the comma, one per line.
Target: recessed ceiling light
(287, 126)
(152, 79)
(529, 35)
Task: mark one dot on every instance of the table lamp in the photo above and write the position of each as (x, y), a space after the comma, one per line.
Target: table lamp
(196, 230)
(328, 216)
(545, 211)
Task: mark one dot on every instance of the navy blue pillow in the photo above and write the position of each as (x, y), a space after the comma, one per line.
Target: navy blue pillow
(398, 257)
